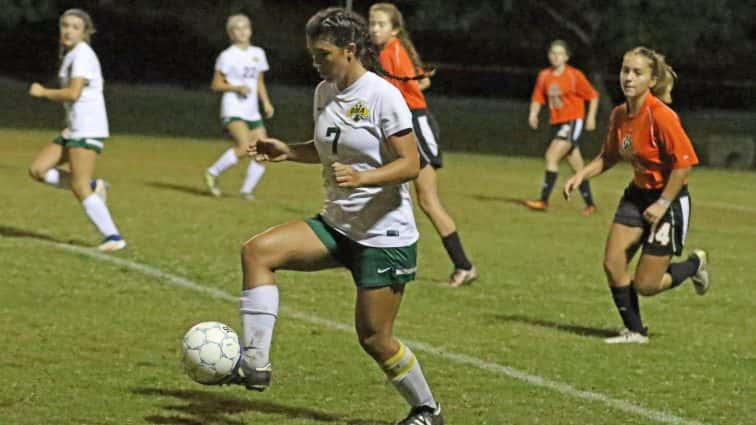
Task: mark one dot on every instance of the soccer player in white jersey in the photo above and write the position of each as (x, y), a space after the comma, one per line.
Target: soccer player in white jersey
(86, 126)
(363, 138)
(239, 75)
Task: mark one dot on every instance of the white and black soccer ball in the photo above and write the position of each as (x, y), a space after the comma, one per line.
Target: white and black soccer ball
(211, 351)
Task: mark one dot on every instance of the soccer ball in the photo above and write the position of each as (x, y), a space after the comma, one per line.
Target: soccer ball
(211, 352)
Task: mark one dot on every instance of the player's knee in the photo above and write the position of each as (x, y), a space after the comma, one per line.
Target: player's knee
(255, 250)
(427, 201)
(374, 343)
(613, 267)
(646, 288)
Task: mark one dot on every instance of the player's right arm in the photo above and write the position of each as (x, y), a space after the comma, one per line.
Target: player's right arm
(66, 94)
(274, 150)
(605, 160)
(221, 85)
(537, 99)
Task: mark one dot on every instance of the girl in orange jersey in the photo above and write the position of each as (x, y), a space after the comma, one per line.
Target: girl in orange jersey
(400, 63)
(565, 89)
(654, 211)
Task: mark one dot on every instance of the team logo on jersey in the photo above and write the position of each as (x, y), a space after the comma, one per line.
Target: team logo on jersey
(627, 142)
(358, 112)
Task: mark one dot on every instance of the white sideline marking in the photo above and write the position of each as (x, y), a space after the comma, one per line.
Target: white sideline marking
(535, 380)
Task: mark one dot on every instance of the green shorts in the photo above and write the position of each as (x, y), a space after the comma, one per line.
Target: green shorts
(93, 143)
(371, 267)
(250, 124)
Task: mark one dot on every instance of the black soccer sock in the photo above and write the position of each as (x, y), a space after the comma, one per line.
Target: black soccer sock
(457, 254)
(624, 301)
(585, 192)
(683, 270)
(548, 185)
(634, 301)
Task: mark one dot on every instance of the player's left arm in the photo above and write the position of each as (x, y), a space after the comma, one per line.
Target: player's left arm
(677, 145)
(404, 168)
(677, 179)
(66, 94)
(262, 93)
(590, 119)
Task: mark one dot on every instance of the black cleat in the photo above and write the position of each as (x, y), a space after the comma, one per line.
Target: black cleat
(423, 415)
(256, 379)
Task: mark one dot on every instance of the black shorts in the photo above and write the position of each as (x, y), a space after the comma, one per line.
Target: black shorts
(426, 131)
(568, 131)
(669, 235)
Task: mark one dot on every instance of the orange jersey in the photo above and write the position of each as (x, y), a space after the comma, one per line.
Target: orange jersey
(565, 93)
(396, 61)
(653, 140)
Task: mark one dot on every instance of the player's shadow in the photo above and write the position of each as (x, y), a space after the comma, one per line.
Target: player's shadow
(14, 232)
(179, 188)
(209, 408)
(489, 198)
(562, 327)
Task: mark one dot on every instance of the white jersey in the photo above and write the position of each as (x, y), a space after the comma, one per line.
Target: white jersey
(241, 68)
(86, 117)
(351, 127)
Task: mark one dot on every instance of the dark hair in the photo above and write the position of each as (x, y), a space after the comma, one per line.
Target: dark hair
(342, 27)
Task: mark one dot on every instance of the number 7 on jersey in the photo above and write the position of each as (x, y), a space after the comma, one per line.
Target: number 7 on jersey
(336, 132)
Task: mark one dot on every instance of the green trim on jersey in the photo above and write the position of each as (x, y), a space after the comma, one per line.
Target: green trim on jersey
(92, 143)
(250, 124)
(371, 267)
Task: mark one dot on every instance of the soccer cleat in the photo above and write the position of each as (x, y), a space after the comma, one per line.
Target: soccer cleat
(423, 415)
(627, 336)
(257, 379)
(701, 280)
(248, 196)
(112, 243)
(211, 184)
(588, 210)
(538, 205)
(463, 277)
(100, 188)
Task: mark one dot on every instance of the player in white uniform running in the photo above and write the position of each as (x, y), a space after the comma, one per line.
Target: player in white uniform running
(239, 75)
(86, 126)
(364, 140)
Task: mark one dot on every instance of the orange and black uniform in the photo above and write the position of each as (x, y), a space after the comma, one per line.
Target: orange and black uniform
(395, 60)
(565, 94)
(654, 141)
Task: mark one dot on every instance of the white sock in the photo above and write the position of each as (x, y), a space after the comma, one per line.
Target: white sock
(58, 178)
(259, 308)
(405, 373)
(255, 171)
(98, 212)
(226, 161)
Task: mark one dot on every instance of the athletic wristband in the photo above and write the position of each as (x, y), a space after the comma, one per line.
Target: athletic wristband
(663, 201)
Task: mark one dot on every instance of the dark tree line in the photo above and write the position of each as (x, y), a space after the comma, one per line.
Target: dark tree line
(485, 47)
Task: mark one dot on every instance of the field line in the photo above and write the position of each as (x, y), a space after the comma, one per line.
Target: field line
(499, 369)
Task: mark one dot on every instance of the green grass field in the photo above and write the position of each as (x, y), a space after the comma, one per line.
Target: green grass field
(90, 338)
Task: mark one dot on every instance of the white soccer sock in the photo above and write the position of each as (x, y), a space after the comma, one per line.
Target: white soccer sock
(259, 308)
(226, 161)
(255, 171)
(98, 212)
(405, 373)
(58, 178)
